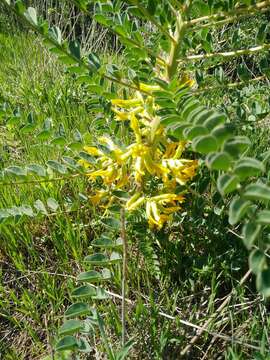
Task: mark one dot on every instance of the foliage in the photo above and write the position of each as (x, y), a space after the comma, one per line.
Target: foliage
(164, 113)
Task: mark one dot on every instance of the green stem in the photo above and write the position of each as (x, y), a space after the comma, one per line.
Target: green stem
(175, 47)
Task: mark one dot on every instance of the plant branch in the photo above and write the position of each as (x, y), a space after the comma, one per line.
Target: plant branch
(230, 85)
(226, 54)
(129, 39)
(227, 20)
(151, 18)
(236, 12)
(176, 46)
(27, 182)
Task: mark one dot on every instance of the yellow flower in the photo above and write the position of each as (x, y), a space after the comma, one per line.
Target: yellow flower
(99, 195)
(155, 219)
(150, 155)
(134, 202)
(92, 150)
(126, 115)
(149, 88)
(186, 80)
(84, 163)
(126, 104)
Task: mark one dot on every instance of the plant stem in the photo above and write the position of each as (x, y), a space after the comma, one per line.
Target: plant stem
(236, 12)
(226, 54)
(176, 46)
(124, 274)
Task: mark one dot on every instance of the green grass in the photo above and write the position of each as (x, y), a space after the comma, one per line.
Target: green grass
(185, 271)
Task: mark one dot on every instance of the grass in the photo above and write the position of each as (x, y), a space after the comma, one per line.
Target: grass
(184, 272)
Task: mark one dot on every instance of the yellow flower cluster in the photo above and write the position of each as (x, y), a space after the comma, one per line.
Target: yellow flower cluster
(151, 156)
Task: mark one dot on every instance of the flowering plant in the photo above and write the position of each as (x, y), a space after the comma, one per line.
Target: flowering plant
(152, 158)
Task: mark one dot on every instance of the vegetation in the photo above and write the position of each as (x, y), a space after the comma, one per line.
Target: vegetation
(134, 216)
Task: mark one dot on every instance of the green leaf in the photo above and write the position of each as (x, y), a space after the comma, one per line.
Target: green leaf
(238, 208)
(219, 161)
(91, 276)
(121, 194)
(19, 6)
(94, 61)
(151, 7)
(195, 131)
(227, 183)
(250, 233)
(4, 215)
(106, 274)
(265, 157)
(78, 309)
(205, 144)
(178, 129)
(84, 291)
(170, 119)
(84, 346)
(67, 343)
(200, 115)
(70, 327)
(237, 145)
(106, 243)
(257, 192)
(247, 167)
(36, 169)
(44, 135)
(55, 34)
(112, 223)
(26, 210)
(40, 207)
(191, 107)
(223, 133)
(101, 294)
(59, 140)
(101, 19)
(31, 15)
(97, 259)
(263, 217)
(257, 261)
(115, 258)
(56, 166)
(214, 120)
(52, 204)
(16, 170)
(75, 49)
(263, 282)
(28, 128)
